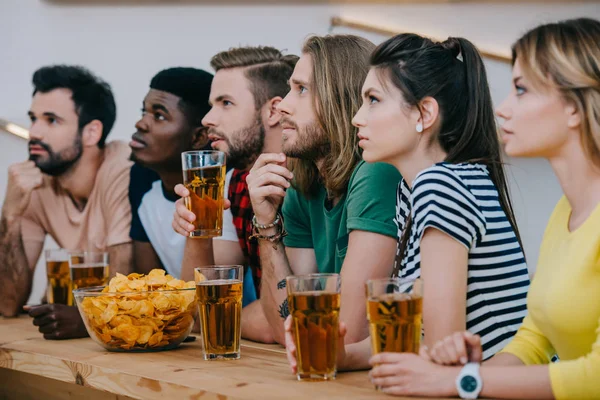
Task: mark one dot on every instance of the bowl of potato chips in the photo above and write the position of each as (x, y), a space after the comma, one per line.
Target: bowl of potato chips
(139, 312)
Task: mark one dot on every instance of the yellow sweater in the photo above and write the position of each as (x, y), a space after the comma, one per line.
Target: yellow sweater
(564, 307)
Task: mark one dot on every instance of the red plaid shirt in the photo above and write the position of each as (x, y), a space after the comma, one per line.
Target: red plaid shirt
(241, 209)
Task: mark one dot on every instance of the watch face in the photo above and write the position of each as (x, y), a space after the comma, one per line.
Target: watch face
(468, 383)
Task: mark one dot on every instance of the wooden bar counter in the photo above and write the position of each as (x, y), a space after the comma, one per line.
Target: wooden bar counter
(34, 368)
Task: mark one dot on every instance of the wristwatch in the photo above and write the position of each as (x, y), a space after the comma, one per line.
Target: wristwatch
(468, 382)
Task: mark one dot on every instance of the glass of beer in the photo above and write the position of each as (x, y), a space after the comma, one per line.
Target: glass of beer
(204, 176)
(219, 293)
(314, 304)
(394, 310)
(88, 268)
(59, 280)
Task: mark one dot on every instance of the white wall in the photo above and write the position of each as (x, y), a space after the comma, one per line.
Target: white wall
(127, 45)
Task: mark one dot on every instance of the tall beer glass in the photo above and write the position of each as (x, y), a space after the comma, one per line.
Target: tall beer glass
(394, 310)
(314, 304)
(88, 268)
(59, 279)
(219, 293)
(204, 176)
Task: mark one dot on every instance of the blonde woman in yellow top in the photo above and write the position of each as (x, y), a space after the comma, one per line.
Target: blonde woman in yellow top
(553, 112)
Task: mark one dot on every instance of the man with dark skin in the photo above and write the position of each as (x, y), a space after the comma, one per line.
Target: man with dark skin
(73, 187)
(171, 123)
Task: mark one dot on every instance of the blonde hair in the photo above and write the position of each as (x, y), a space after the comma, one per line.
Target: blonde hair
(267, 69)
(566, 56)
(340, 66)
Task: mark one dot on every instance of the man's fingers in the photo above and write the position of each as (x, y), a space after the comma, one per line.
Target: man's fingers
(44, 319)
(184, 213)
(267, 191)
(49, 328)
(179, 228)
(270, 178)
(287, 324)
(268, 158)
(276, 169)
(290, 347)
(56, 335)
(40, 310)
(181, 190)
(226, 204)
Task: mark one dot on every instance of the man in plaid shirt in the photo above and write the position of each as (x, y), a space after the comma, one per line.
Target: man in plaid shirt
(243, 122)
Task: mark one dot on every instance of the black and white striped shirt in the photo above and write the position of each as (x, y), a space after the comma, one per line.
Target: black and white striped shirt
(462, 201)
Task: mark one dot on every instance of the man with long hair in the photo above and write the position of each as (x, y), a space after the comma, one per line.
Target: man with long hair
(338, 212)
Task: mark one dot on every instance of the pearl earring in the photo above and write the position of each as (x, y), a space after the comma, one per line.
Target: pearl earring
(419, 127)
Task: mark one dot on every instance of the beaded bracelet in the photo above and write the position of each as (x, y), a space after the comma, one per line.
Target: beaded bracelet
(271, 225)
(274, 239)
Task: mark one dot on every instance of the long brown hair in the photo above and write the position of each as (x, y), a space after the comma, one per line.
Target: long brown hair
(566, 56)
(452, 72)
(340, 66)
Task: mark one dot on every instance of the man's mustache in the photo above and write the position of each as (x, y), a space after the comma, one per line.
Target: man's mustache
(37, 142)
(287, 121)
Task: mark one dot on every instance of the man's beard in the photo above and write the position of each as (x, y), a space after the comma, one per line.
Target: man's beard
(311, 144)
(245, 145)
(57, 163)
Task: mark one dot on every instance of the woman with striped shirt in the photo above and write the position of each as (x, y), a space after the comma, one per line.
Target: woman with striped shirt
(427, 110)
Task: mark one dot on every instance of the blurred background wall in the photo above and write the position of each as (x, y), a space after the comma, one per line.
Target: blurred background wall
(127, 44)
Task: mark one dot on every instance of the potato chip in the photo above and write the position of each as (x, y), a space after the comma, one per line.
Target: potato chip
(120, 319)
(137, 312)
(110, 311)
(176, 284)
(145, 334)
(155, 339)
(137, 285)
(129, 333)
(142, 308)
(161, 302)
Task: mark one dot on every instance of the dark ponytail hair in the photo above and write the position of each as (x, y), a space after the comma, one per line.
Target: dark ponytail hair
(452, 72)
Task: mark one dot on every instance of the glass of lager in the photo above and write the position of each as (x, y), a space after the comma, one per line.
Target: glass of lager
(314, 304)
(219, 293)
(88, 268)
(394, 310)
(204, 176)
(59, 280)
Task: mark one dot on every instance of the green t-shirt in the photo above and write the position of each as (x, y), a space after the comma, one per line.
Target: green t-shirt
(369, 205)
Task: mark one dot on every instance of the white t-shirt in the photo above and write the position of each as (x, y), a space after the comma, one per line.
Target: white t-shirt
(153, 216)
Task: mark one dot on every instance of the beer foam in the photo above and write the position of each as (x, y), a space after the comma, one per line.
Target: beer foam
(89, 265)
(217, 282)
(389, 297)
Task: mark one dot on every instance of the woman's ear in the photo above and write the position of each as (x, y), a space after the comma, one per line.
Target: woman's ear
(573, 115)
(430, 109)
